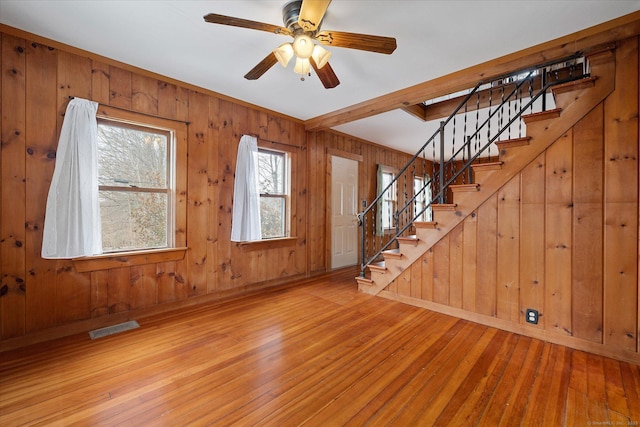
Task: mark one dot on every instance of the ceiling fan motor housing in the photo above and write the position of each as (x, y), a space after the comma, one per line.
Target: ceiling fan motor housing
(290, 14)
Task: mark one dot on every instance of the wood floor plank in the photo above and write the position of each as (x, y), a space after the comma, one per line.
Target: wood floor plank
(313, 353)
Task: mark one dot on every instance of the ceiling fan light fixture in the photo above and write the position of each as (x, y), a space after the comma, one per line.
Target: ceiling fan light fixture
(303, 46)
(284, 53)
(320, 55)
(302, 66)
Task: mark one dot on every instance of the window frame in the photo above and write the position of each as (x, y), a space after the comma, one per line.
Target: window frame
(392, 202)
(179, 235)
(169, 188)
(423, 199)
(286, 196)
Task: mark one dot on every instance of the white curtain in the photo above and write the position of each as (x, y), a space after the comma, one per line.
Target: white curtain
(245, 223)
(72, 219)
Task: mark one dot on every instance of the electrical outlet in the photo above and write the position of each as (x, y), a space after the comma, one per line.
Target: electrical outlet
(531, 316)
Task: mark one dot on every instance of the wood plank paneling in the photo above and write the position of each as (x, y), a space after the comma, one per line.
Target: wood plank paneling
(487, 258)
(12, 191)
(469, 269)
(456, 245)
(621, 203)
(197, 198)
(41, 143)
(100, 73)
(144, 94)
(532, 211)
(559, 216)
(572, 214)
(587, 247)
(119, 87)
(73, 289)
(441, 262)
(508, 276)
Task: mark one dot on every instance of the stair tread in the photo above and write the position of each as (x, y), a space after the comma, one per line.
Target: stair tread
(514, 142)
(464, 187)
(542, 115)
(487, 166)
(574, 85)
(364, 280)
(410, 240)
(392, 253)
(425, 224)
(443, 206)
(377, 266)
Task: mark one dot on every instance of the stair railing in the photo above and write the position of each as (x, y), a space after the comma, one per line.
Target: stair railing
(490, 111)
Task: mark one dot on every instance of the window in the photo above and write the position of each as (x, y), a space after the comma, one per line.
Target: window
(387, 203)
(423, 198)
(388, 200)
(273, 183)
(136, 186)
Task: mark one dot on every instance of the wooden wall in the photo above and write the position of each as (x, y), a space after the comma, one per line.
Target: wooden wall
(561, 238)
(322, 145)
(42, 298)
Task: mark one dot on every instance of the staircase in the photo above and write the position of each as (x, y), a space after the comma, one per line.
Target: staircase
(574, 97)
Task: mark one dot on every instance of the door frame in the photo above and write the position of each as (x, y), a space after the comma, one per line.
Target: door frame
(328, 199)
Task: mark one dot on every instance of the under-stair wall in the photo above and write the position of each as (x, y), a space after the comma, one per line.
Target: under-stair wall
(560, 237)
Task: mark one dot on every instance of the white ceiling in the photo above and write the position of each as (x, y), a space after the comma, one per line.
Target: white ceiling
(434, 38)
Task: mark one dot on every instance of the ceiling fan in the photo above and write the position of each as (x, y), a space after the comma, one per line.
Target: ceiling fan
(302, 21)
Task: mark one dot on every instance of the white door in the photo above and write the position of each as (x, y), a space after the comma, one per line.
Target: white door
(344, 205)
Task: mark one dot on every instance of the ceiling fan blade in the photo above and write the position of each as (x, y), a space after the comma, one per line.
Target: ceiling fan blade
(263, 66)
(367, 42)
(214, 18)
(311, 14)
(326, 75)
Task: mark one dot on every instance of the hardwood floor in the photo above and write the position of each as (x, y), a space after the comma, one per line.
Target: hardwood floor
(319, 353)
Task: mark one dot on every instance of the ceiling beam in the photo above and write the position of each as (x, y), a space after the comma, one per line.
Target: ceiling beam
(608, 32)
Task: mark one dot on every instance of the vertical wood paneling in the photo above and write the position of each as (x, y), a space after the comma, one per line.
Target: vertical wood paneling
(621, 203)
(532, 244)
(469, 262)
(301, 205)
(144, 287)
(119, 87)
(100, 82)
(144, 94)
(166, 282)
(197, 195)
(559, 215)
(508, 277)
(41, 141)
(167, 101)
(73, 293)
(587, 287)
(99, 293)
(73, 290)
(456, 245)
(441, 271)
(227, 153)
(427, 275)
(12, 191)
(213, 196)
(119, 289)
(487, 261)
(416, 279)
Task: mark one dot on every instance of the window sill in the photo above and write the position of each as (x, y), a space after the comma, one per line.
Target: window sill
(257, 245)
(127, 259)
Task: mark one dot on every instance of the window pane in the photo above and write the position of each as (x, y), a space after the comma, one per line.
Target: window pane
(131, 157)
(272, 217)
(133, 220)
(271, 176)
